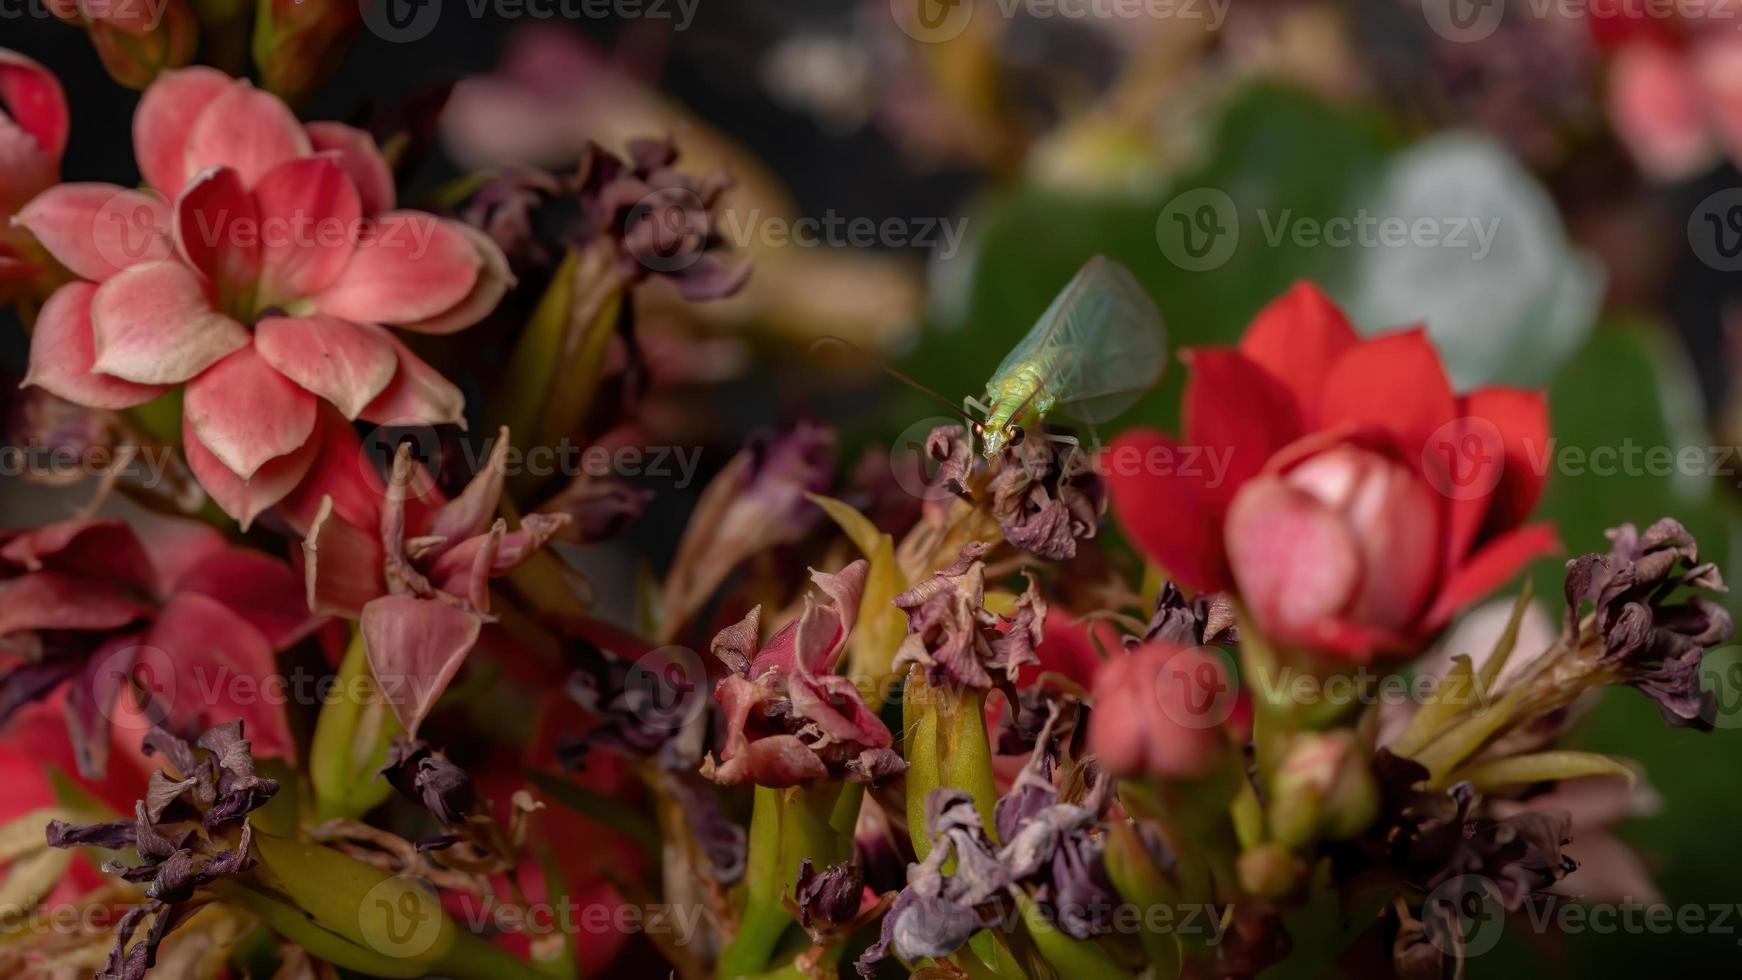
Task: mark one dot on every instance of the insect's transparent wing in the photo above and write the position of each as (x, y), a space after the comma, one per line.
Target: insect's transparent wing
(1101, 344)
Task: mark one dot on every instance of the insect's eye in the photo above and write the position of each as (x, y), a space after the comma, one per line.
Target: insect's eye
(1015, 435)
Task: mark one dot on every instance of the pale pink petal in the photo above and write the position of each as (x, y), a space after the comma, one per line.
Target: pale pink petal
(242, 499)
(310, 214)
(257, 587)
(360, 158)
(247, 130)
(415, 647)
(470, 513)
(155, 325)
(418, 394)
(494, 281)
(1293, 558)
(335, 359)
(342, 564)
(1656, 108)
(218, 232)
(246, 413)
(96, 230)
(61, 355)
(408, 266)
(1718, 64)
(223, 668)
(164, 118)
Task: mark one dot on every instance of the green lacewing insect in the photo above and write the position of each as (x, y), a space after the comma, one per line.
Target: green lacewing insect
(1098, 347)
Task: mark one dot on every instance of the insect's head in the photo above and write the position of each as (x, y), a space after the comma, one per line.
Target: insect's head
(996, 440)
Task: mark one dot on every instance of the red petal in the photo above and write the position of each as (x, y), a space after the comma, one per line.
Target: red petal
(61, 355)
(342, 564)
(247, 130)
(360, 158)
(1393, 383)
(154, 324)
(343, 471)
(335, 359)
(408, 266)
(223, 669)
(1522, 418)
(52, 601)
(415, 647)
(418, 394)
(260, 589)
(218, 232)
(247, 413)
(494, 280)
(1165, 512)
(245, 499)
(94, 548)
(1296, 339)
(1236, 417)
(32, 96)
(310, 215)
(1489, 568)
(96, 230)
(165, 115)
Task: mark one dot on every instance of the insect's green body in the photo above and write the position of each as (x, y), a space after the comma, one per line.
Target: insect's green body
(1095, 350)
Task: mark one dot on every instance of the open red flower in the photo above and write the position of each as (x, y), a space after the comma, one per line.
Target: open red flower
(89, 605)
(258, 269)
(1336, 484)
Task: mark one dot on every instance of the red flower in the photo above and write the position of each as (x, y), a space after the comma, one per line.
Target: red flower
(1336, 484)
(1161, 709)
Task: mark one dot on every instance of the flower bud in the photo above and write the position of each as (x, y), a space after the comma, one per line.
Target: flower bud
(136, 53)
(298, 43)
(1323, 788)
(1346, 541)
(1159, 711)
(1268, 871)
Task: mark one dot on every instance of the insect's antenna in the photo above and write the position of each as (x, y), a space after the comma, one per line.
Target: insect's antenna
(892, 372)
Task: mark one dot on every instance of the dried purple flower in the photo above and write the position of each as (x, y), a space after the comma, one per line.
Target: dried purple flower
(831, 898)
(1207, 620)
(1044, 494)
(425, 776)
(1656, 645)
(641, 713)
(955, 639)
(190, 830)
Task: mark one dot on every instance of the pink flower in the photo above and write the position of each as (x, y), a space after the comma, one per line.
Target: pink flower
(414, 567)
(33, 134)
(258, 271)
(88, 605)
(1160, 709)
(1359, 503)
(1674, 88)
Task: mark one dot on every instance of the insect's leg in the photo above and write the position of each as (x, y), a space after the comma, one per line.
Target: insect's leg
(1066, 440)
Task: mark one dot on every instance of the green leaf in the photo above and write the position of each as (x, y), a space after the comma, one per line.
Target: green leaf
(1542, 767)
(351, 739)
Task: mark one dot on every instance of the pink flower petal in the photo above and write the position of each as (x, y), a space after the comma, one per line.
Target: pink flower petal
(246, 413)
(335, 359)
(408, 266)
(32, 96)
(470, 513)
(257, 587)
(245, 499)
(99, 549)
(494, 281)
(61, 355)
(310, 214)
(1657, 108)
(53, 601)
(223, 669)
(418, 394)
(154, 324)
(1292, 557)
(341, 470)
(415, 647)
(96, 230)
(360, 158)
(218, 232)
(164, 118)
(247, 130)
(342, 564)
